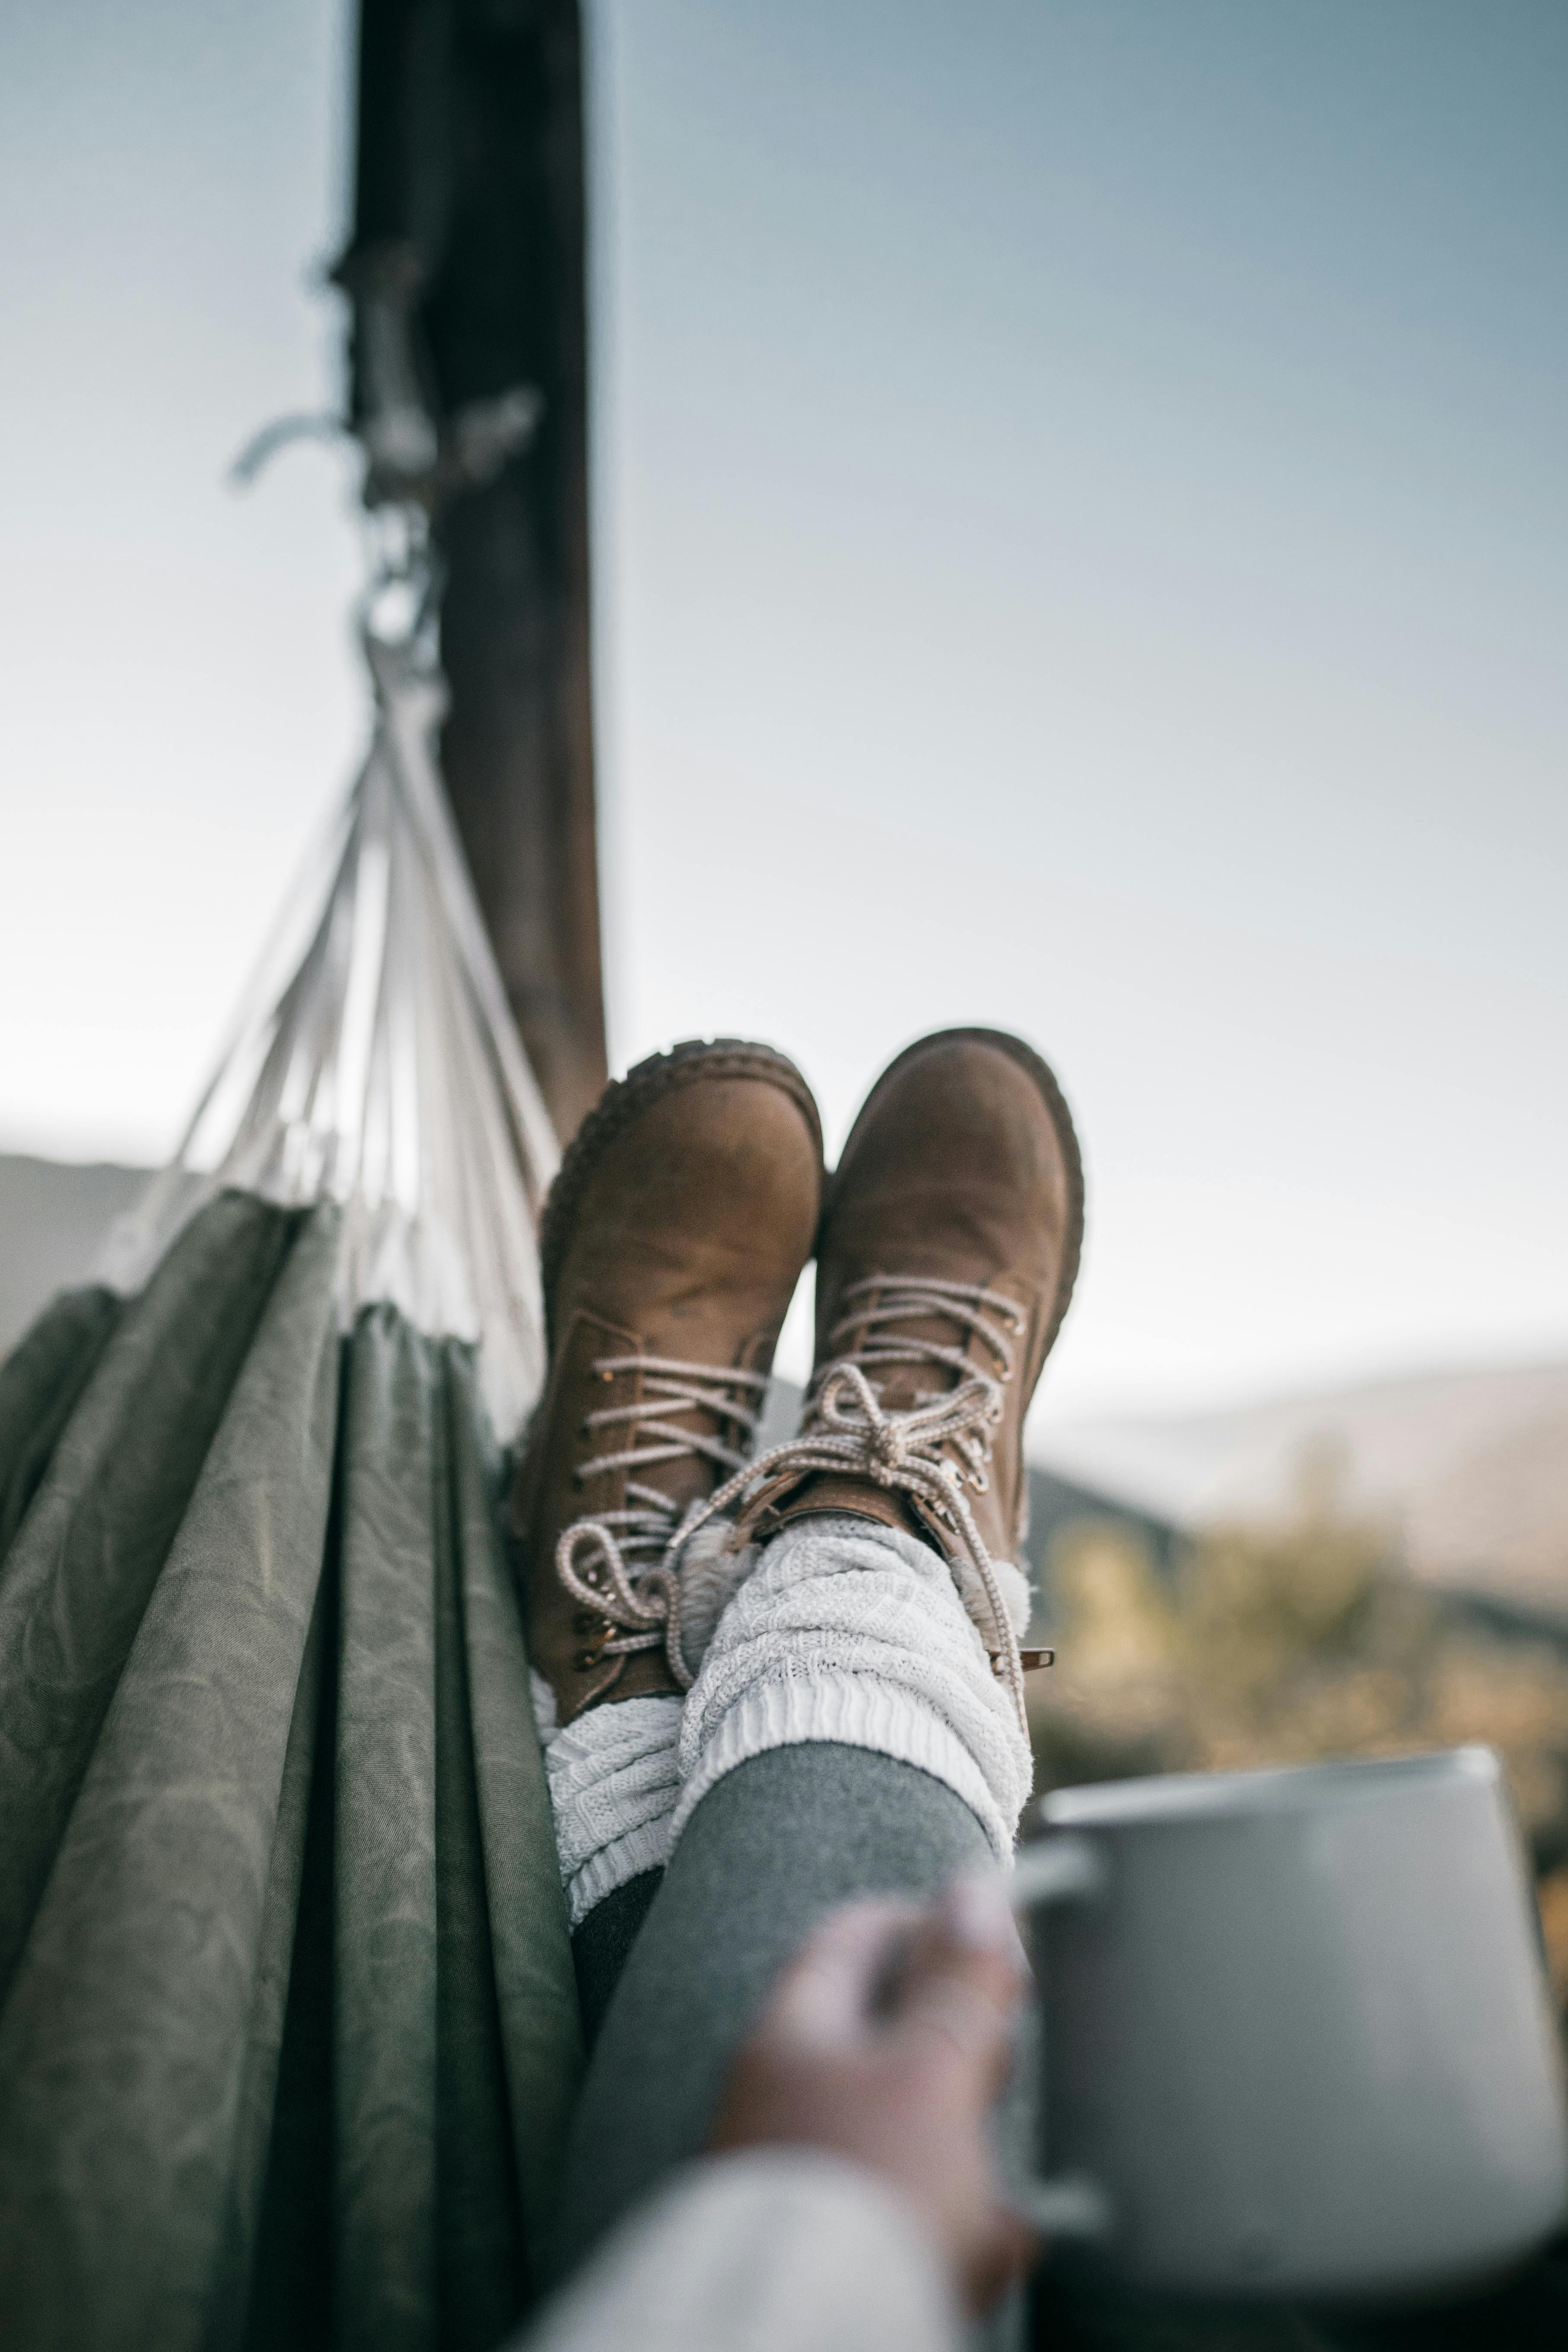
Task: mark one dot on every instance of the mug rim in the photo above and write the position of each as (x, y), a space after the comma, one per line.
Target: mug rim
(1273, 1789)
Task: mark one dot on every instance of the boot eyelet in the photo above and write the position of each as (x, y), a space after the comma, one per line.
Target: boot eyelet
(585, 1661)
(584, 1622)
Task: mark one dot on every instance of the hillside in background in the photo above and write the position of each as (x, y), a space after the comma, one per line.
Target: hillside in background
(52, 1220)
(1467, 1472)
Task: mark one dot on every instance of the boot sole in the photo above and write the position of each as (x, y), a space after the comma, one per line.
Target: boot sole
(1045, 1080)
(623, 1101)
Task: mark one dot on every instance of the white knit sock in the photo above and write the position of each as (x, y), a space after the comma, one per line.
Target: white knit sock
(848, 1631)
(613, 1788)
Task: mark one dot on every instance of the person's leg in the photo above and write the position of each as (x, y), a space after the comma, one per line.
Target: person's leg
(614, 1784)
(684, 1211)
(774, 1845)
(846, 1736)
(842, 1632)
(603, 1945)
(856, 1724)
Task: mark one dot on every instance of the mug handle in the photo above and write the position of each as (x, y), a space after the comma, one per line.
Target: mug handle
(1062, 1869)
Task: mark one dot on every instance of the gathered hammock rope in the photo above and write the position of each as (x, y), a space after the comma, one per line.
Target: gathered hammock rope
(625, 1565)
(378, 1068)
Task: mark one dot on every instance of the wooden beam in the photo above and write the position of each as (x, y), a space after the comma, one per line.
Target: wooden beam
(470, 196)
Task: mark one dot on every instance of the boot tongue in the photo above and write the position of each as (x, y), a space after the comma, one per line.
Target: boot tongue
(902, 1386)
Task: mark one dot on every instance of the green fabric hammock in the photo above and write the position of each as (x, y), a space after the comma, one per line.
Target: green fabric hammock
(287, 2023)
(288, 2028)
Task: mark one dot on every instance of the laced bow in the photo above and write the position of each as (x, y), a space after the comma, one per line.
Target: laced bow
(622, 1564)
(846, 1428)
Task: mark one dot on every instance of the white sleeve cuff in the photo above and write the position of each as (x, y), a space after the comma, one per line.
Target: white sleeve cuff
(768, 2250)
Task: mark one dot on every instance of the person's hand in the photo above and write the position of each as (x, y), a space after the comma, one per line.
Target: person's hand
(885, 2041)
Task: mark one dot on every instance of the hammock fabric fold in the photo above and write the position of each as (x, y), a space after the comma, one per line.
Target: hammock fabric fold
(288, 2030)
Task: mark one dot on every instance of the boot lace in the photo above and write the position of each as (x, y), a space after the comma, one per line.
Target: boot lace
(929, 1452)
(622, 1564)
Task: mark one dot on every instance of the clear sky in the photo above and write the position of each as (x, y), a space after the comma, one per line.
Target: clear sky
(1082, 537)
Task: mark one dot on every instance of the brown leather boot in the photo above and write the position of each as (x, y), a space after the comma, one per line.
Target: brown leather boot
(672, 1242)
(947, 1257)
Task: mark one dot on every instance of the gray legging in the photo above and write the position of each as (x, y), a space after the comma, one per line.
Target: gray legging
(679, 1967)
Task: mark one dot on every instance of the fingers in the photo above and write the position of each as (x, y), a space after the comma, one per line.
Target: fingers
(964, 1980)
(953, 1973)
(1007, 2248)
(977, 1912)
(825, 1997)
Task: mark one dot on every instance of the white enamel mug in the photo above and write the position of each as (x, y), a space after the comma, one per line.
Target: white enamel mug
(1297, 2040)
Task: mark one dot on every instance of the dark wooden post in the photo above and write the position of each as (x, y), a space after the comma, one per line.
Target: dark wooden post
(469, 250)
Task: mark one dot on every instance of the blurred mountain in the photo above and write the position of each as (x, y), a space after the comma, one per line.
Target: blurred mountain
(52, 1220)
(1468, 1470)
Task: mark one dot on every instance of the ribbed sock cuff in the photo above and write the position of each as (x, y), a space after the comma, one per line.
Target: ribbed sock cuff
(852, 1632)
(855, 1711)
(614, 1783)
(645, 1848)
